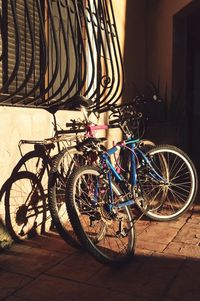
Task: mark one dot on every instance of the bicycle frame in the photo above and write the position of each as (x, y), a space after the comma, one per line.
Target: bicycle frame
(129, 144)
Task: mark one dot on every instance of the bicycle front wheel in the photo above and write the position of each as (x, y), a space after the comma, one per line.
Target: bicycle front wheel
(168, 185)
(62, 166)
(105, 230)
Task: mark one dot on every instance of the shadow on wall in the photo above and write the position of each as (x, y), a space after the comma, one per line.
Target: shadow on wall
(24, 200)
(24, 196)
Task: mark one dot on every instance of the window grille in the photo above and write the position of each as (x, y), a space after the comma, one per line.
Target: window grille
(53, 50)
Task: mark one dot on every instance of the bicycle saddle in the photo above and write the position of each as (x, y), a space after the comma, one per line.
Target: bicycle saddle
(77, 101)
(74, 103)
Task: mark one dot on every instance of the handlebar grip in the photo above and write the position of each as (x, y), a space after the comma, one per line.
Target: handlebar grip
(72, 124)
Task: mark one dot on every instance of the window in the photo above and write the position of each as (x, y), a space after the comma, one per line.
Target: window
(54, 49)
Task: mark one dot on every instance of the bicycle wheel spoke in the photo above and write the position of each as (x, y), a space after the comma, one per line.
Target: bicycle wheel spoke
(169, 198)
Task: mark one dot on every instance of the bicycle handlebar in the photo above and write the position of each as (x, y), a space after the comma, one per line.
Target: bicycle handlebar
(74, 123)
(72, 131)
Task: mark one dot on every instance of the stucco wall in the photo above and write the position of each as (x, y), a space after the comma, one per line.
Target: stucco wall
(16, 124)
(29, 124)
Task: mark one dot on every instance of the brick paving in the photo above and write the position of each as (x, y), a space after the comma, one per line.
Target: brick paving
(166, 267)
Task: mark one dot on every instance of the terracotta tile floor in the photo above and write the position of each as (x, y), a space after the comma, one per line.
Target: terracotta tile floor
(166, 267)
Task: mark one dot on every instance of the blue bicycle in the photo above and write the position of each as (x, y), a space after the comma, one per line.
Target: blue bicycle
(162, 183)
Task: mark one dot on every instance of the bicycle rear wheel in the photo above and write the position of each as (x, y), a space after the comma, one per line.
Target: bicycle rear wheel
(106, 231)
(169, 198)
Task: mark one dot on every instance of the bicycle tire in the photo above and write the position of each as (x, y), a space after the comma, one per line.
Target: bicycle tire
(104, 243)
(25, 206)
(59, 174)
(167, 201)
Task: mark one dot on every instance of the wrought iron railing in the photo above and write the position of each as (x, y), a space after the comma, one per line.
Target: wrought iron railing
(53, 50)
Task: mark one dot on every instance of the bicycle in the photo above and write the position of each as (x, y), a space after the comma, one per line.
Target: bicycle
(60, 171)
(23, 217)
(39, 162)
(34, 167)
(161, 183)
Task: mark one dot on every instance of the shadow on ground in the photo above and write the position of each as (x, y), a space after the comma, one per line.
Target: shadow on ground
(166, 267)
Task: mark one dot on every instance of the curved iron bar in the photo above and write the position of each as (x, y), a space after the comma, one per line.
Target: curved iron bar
(120, 62)
(100, 45)
(98, 57)
(77, 59)
(114, 97)
(91, 51)
(82, 49)
(102, 48)
(110, 79)
(44, 61)
(57, 54)
(82, 76)
(88, 39)
(17, 49)
(66, 75)
(111, 42)
(32, 62)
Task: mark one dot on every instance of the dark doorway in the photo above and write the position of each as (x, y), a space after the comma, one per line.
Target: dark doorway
(186, 79)
(193, 86)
